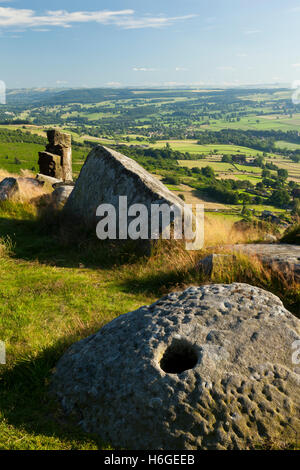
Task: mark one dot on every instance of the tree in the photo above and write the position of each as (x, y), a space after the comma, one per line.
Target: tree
(280, 198)
(227, 159)
(208, 171)
(259, 161)
(260, 186)
(246, 198)
(282, 173)
(266, 174)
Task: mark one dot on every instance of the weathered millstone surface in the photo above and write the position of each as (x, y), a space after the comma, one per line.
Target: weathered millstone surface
(105, 176)
(61, 194)
(284, 258)
(210, 367)
(9, 189)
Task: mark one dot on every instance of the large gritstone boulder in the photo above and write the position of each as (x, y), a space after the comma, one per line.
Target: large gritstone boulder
(105, 176)
(213, 367)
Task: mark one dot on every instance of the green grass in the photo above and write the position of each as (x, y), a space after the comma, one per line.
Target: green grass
(28, 156)
(217, 165)
(225, 170)
(57, 287)
(287, 145)
(48, 302)
(266, 122)
(191, 146)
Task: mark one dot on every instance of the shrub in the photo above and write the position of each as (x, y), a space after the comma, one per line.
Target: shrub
(292, 235)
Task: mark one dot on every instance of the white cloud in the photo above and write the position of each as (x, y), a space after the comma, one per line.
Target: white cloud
(127, 19)
(296, 65)
(181, 69)
(113, 84)
(144, 69)
(150, 21)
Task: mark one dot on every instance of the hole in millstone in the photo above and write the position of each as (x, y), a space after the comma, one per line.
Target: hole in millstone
(178, 357)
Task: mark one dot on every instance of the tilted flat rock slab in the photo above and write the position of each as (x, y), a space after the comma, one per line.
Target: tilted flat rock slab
(285, 258)
(105, 176)
(47, 179)
(207, 368)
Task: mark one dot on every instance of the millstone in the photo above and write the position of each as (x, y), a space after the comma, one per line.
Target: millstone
(207, 368)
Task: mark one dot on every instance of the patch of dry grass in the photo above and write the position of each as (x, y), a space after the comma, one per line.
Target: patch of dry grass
(28, 192)
(222, 231)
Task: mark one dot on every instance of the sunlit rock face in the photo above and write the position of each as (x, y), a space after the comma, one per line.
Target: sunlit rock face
(107, 175)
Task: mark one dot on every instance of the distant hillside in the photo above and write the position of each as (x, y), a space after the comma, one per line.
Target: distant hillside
(65, 96)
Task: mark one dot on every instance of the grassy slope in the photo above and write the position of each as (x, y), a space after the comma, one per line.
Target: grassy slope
(53, 294)
(45, 306)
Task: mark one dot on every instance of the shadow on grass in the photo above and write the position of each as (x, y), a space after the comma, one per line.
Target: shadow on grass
(26, 403)
(67, 246)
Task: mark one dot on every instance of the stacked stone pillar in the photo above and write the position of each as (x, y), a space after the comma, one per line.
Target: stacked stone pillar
(56, 161)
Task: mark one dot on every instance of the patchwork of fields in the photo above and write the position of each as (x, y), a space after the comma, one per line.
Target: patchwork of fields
(155, 124)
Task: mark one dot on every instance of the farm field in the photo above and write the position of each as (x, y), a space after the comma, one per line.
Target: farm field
(191, 146)
(225, 170)
(258, 122)
(287, 145)
(201, 126)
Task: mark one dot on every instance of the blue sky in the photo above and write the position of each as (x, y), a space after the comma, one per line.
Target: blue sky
(134, 42)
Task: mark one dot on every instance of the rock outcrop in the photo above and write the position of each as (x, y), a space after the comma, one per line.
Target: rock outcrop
(207, 368)
(9, 188)
(20, 189)
(105, 176)
(61, 194)
(283, 258)
(48, 180)
(56, 161)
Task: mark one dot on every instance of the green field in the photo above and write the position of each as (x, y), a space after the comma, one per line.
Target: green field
(287, 145)
(225, 170)
(27, 155)
(192, 147)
